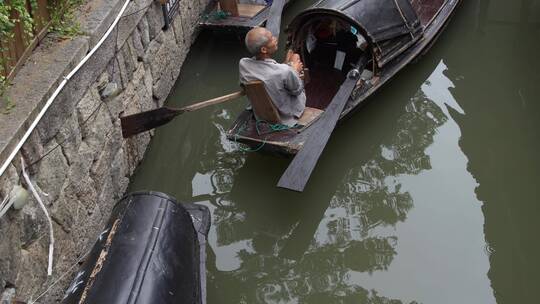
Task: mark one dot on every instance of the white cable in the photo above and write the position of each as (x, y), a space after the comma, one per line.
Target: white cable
(4, 207)
(57, 91)
(49, 220)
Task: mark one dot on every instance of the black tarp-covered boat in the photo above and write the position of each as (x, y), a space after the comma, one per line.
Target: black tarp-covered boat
(151, 251)
(331, 36)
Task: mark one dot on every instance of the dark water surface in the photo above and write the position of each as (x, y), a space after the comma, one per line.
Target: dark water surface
(427, 194)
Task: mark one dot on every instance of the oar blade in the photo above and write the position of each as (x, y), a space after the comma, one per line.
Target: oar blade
(144, 121)
(297, 174)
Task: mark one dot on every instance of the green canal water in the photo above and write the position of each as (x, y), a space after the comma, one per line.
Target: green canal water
(428, 194)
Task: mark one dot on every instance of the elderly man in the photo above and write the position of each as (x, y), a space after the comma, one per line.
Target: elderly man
(282, 81)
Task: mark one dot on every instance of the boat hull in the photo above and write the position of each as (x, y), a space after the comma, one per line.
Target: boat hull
(289, 142)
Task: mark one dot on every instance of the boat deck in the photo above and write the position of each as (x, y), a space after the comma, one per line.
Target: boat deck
(250, 16)
(426, 9)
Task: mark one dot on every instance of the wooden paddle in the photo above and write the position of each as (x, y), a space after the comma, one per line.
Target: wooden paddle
(297, 174)
(144, 121)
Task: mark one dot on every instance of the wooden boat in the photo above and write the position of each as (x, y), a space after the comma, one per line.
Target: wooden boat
(394, 32)
(234, 16)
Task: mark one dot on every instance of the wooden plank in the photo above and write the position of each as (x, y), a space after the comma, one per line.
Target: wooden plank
(41, 16)
(261, 102)
(297, 174)
(18, 42)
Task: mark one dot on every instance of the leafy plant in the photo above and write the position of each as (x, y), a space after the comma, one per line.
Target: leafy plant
(63, 18)
(12, 12)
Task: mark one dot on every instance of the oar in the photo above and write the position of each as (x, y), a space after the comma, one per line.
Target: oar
(144, 121)
(297, 174)
(273, 23)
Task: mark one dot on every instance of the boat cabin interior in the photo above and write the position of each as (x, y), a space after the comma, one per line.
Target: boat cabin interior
(426, 9)
(330, 47)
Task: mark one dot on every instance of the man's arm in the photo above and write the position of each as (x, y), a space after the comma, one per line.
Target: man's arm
(292, 82)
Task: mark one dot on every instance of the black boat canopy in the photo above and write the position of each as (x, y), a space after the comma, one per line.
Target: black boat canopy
(388, 25)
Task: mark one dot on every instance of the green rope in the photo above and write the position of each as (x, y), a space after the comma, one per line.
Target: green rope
(242, 128)
(217, 15)
(273, 129)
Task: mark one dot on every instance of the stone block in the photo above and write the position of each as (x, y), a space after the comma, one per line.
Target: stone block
(100, 169)
(32, 223)
(187, 27)
(119, 174)
(8, 295)
(132, 52)
(153, 47)
(69, 136)
(129, 101)
(178, 31)
(33, 268)
(145, 32)
(106, 197)
(129, 62)
(79, 185)
(52, 121)
(9, 251)
(165, 54)
(137, 44)
(113, 70)
(165, 67)
(51, 181)
(32, 150)
(87, 106)
(125, 71)
(96, 17)
(96, 130)
(135, 12)
(102, 81)
(62, 212)
(156, 22)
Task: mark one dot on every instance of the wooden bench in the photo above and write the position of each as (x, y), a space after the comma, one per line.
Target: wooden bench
(264, 108)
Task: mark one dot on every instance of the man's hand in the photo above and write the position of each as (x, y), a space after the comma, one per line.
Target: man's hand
(293, 59)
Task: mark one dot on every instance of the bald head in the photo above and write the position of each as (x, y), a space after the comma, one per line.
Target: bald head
(257, 38)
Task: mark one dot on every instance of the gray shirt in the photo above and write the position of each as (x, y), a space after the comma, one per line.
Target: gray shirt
(282, 83)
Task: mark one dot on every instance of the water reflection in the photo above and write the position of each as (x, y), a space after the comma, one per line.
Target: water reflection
(275, 246)
(500, 134)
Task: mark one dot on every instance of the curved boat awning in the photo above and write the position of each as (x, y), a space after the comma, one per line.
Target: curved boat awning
(389, 25)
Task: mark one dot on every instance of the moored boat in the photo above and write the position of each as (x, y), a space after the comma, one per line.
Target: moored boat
(333, 35)
(237, 16)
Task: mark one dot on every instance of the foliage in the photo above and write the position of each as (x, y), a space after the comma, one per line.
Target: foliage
(7, 105)
(63, 18)
(12, 12)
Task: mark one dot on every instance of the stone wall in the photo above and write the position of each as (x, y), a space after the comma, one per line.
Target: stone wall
(88, 163)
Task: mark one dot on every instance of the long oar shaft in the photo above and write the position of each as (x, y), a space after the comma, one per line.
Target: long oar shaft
(213, 101)
(297, 174)
(144, 121)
